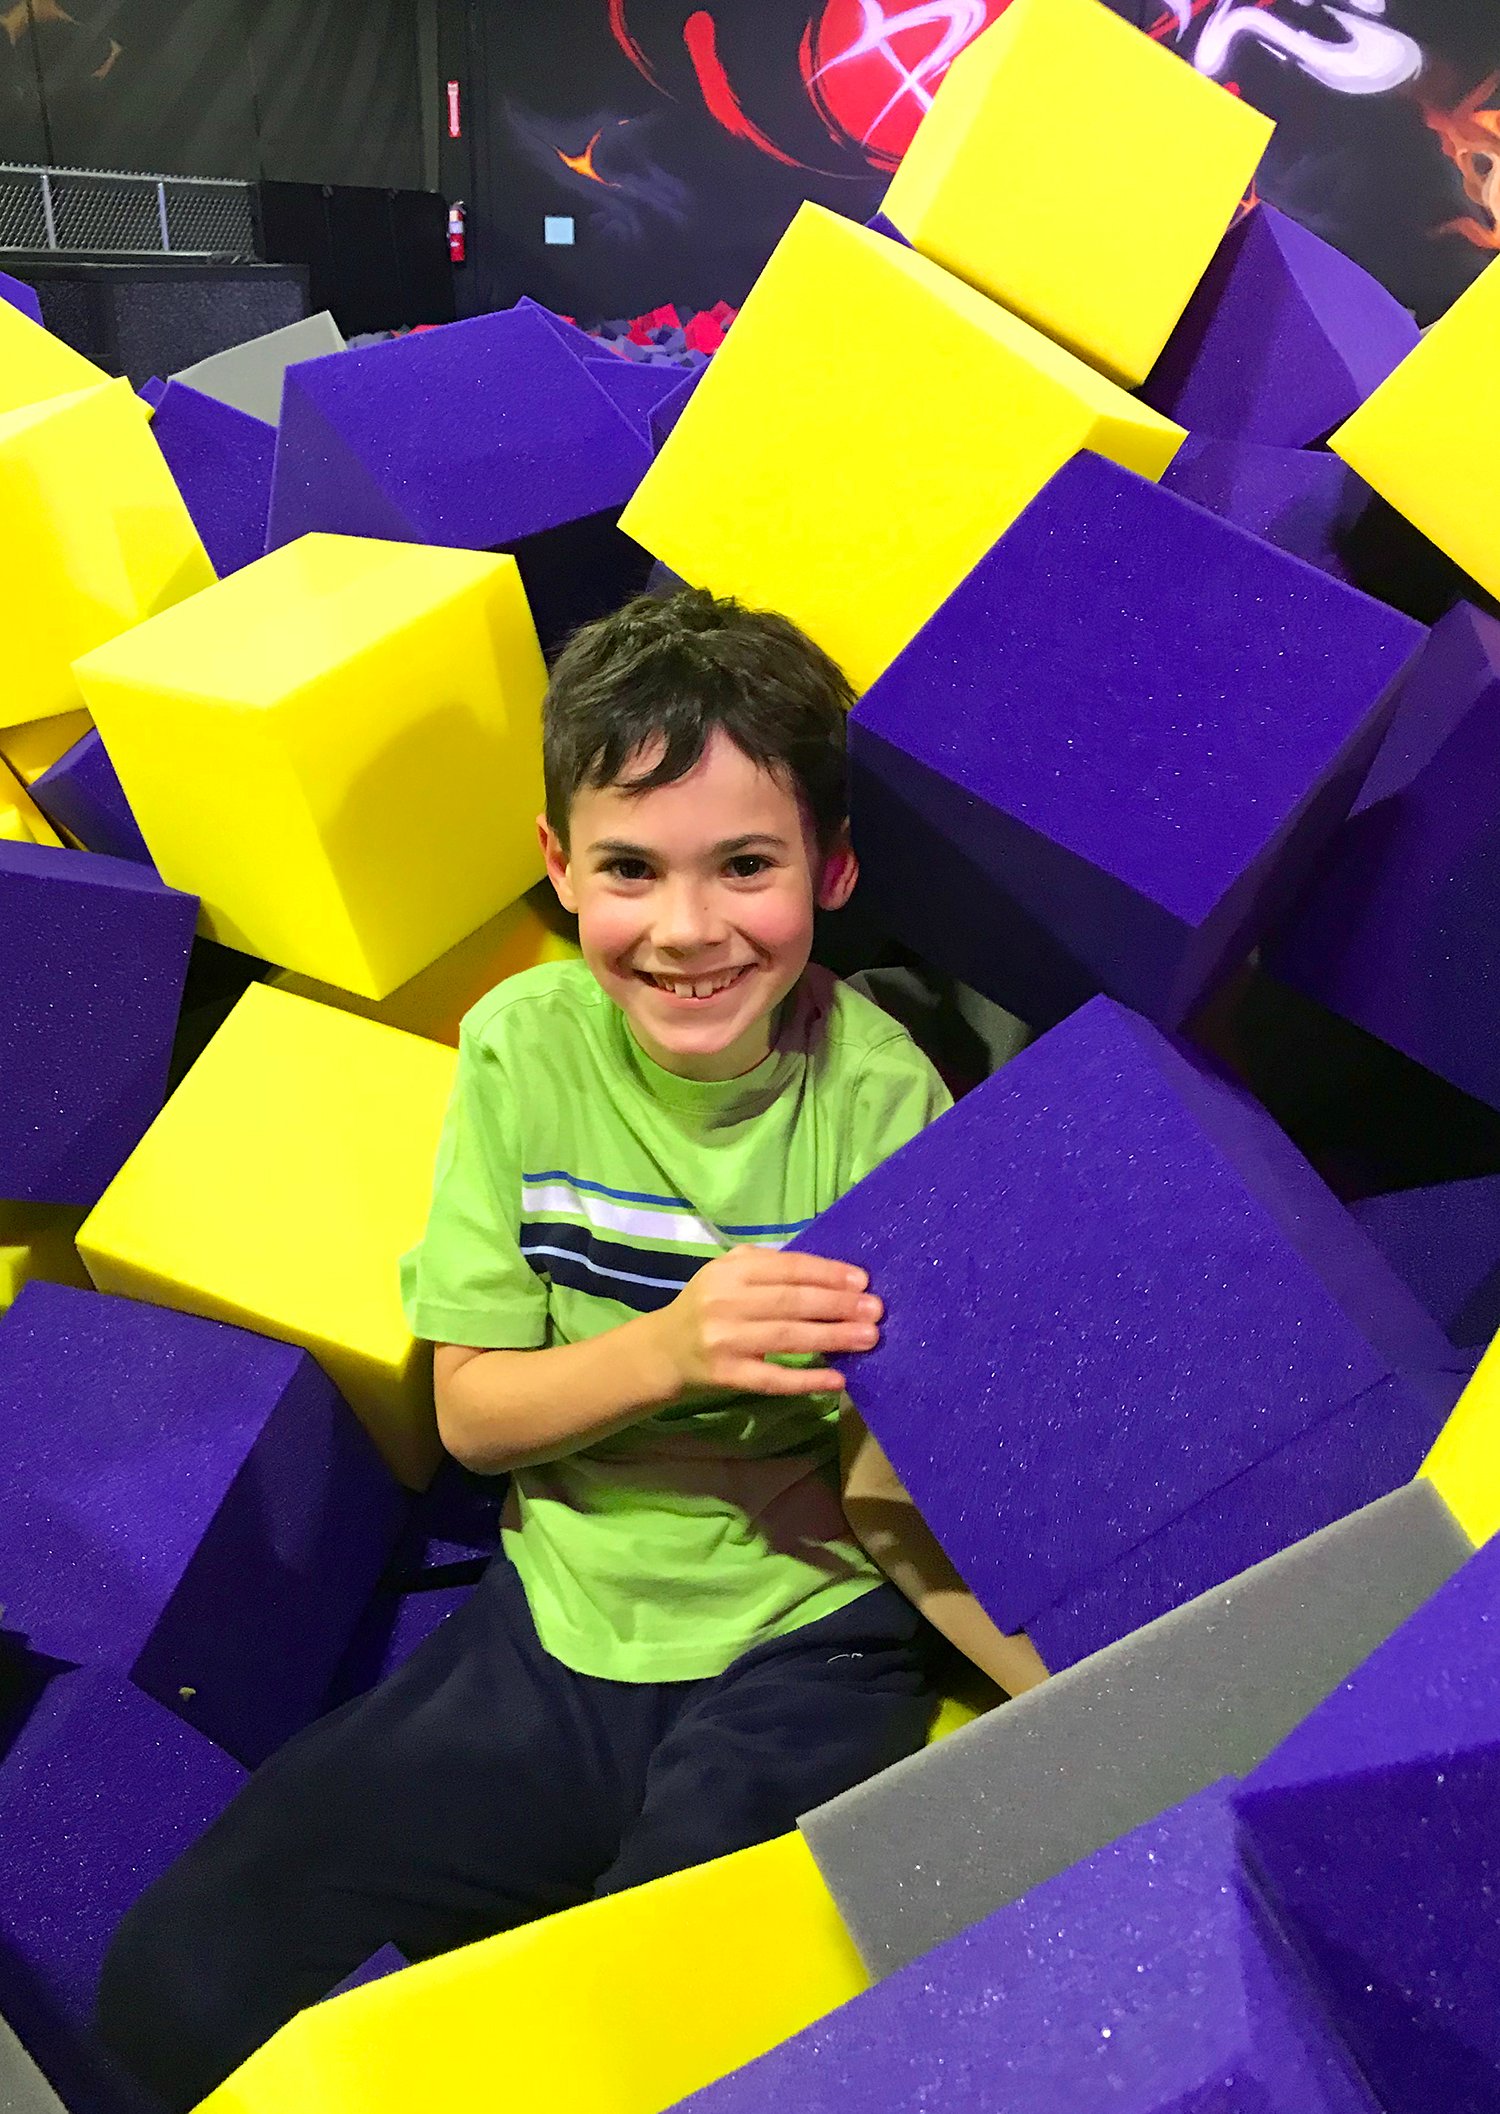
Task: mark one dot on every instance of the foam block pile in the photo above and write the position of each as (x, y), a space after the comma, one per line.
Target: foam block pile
(1165, 575)
(665, 337)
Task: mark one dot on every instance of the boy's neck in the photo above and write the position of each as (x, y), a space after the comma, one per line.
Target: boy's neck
(742, 1056)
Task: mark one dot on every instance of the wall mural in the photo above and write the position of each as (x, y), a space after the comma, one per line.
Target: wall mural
(707, 123)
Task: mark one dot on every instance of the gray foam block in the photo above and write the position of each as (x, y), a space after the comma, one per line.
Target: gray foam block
(932, 1845)
(249, 376)
(23, 2089)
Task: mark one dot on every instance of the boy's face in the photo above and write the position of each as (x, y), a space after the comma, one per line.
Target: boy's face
(695, 904)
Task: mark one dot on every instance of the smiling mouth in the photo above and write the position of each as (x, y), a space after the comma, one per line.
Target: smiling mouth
(699, 988)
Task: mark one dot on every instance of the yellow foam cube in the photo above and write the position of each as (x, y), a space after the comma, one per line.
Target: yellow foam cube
(278, 1189)
(1423, 438)
(622, 2006)
(37, 1240)
(1464, 1464)
(34, 365)
(36, 745)
(21, 820)
(869, 428)
(435, 1001)
(94, 537)
(1103, 250)
(338, 749)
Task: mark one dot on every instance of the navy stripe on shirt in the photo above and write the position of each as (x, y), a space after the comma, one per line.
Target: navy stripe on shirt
(571, 1255)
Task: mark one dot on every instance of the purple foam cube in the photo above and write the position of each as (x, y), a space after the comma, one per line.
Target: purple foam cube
(96, 952)
(455, 1520)
(152, 390)
(188, 1502)
(1313, 506)
(635, 391)
(100, 1789)
(1306, 502)
(879, 225)
(487, 434)
(1140, 1289)
(1444, 1241)
(1112, 755)
(20, 295)
(221, 460)
(1372, 1446)
(388, 1961)
(478, 435)
(1283, 340)
(670, 407)
(1146, 1980)
(393, 1625)
(1372, 1827)
(579, 342)
(82, 793)
(1400, 930)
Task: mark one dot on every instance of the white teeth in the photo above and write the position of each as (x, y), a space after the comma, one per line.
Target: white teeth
(696, 987)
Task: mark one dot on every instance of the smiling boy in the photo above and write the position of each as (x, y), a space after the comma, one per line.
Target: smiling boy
(690, 1636)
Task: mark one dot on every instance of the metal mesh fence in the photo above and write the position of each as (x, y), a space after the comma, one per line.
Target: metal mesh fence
(209, 219)
(23, 222)
(117, 214)
(92, 213)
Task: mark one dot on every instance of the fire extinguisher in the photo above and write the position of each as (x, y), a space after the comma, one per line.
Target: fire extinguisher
(456, 243)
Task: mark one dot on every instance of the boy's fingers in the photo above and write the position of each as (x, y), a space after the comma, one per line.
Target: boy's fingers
(757, 1378)
(809, 1303)
(791, 1267)
(811, 1337)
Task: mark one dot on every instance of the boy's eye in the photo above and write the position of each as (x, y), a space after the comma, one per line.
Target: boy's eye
(628, 869)
(745, 865)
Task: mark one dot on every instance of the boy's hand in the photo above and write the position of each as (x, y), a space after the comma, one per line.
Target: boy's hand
(744, 1306)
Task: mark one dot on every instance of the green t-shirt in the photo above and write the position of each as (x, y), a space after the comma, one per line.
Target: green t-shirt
(579, 1184)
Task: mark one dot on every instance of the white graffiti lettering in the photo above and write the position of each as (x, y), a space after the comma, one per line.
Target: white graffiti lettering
(1351, 50)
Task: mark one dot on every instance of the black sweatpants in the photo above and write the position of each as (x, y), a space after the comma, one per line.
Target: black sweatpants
(483, 1785)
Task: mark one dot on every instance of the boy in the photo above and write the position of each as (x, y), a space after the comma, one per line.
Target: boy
(682, 1645)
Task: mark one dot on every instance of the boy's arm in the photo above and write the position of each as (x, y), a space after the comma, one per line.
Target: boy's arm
(892, 1531)
(501, 1409)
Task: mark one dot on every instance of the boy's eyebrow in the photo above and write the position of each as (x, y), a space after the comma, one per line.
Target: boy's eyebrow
(618, 848)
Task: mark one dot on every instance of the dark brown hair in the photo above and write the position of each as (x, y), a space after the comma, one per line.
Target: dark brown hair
(671, 671)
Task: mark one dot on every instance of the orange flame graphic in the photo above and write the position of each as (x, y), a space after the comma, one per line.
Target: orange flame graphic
(1470, 137)
(583, 164)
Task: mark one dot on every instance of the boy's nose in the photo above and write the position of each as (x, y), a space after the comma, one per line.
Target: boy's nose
(687, 920)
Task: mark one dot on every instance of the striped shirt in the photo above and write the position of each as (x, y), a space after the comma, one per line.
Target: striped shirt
(577, 1184)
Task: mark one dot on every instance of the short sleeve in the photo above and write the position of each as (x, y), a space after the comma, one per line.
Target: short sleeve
(897, 1094)
(467, 1281)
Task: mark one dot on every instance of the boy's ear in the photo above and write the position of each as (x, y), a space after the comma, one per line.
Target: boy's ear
(840, 871)
(555, 853)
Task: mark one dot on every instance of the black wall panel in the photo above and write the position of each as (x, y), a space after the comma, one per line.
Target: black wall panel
(323, 91)
(337, 91)
(377, 258)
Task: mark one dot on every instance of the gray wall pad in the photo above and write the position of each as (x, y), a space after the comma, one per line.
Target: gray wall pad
(23, 2089)
(249, 376)
(930, 1846)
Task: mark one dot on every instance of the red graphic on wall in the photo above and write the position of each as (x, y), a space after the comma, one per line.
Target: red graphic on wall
(869, 70)
(702, 41)
(873, 70)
